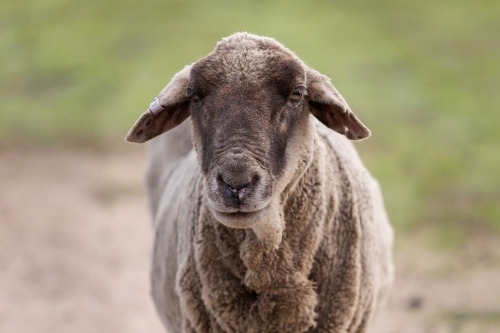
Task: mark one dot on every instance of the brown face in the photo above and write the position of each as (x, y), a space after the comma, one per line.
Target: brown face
(242, 123)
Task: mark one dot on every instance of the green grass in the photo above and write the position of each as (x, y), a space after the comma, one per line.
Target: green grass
(423, 75)
(470, 321)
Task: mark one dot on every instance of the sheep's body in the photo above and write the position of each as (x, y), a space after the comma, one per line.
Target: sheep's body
(331, 271)
(268, 221)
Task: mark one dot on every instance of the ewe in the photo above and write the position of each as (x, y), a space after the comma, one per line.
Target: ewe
(271, 223)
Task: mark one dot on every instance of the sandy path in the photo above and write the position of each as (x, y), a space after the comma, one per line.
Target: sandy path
(74, 255)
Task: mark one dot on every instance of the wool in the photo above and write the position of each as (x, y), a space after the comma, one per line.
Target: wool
(328, 274)
(318, 257)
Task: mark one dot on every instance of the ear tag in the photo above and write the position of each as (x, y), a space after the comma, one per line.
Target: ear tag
(155, 106)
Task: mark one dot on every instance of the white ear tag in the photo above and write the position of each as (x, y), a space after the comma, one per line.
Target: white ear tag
(155, 106)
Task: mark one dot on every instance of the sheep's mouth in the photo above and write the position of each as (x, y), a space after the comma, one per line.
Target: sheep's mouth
(239, 214)
(240, 219)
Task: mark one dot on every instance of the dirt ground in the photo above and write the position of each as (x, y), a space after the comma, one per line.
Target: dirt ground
(75, 242)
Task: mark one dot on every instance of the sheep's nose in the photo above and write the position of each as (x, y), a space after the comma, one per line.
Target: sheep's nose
(238, 176)
(237, 187)
(237, 190)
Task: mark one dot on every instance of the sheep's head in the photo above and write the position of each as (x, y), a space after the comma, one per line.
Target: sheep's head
(250, 102)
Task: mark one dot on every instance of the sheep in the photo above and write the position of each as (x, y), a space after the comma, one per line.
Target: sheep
(265, 218)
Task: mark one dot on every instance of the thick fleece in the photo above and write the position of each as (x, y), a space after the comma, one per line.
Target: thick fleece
(331, 271)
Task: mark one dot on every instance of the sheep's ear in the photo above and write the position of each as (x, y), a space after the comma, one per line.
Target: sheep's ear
(326, 104)
(169, 110)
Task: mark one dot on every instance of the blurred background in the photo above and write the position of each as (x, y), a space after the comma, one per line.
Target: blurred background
(75, 234)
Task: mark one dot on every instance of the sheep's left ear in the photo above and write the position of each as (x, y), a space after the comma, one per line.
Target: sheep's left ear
(168, 110)
(326, 104)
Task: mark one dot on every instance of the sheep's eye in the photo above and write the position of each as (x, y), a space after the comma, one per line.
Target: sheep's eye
(190, 93)
(297, 94)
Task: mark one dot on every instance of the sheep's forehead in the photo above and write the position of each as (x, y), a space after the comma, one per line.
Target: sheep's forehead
(246, 58)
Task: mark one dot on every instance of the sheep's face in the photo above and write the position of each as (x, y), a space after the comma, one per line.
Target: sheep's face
(250, 101)
(243, 118)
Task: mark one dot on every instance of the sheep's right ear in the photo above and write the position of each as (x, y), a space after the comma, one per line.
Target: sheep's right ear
(170, 109)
